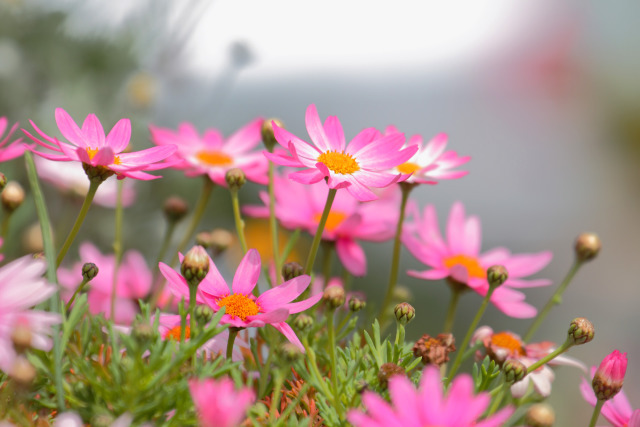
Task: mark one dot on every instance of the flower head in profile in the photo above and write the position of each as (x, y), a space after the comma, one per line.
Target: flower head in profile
(218, 403)
(428, 406)
(212, 154)
(242, 308)
(15, 148)
(459, 258)
(361, 164)
(90, 146)
(617, 410)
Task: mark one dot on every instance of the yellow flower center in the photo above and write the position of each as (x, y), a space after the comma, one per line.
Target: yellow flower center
(408, 167)
(175, 332)
(340, 163)
(239, 305)
(508, 341)
(91, 152)
(214, 158)
(474, 269)
(333, 220)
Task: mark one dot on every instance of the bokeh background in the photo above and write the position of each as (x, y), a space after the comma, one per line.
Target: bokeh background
(543, 94)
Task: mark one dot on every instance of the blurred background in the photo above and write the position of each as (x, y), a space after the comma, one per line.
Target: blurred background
(543, 94)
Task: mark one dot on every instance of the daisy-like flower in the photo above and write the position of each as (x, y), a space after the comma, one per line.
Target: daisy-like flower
(90, 146)
(459, 258)
(427, 406)
(133, 281)
(218, 404)
(21, 287)
(363, 163)
(618, 411)
(15, 148)
(349, 221)
(500, 346)
(213, 155)
(243, 309)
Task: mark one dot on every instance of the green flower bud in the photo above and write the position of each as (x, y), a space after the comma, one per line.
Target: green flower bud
(289, 352)
(89, 271)
(268, 138)
(356, 304)
(404, 312)
(102, 420)
(195, 265)
(12, 196)
(333, 296)
(203, 314)
(587, 246)
(292, 270)
(540, 415)
(235, 179)
(303, 322)
(514, 370)
(3, 181)
(142, 332)
(581, 330)
(22, 372)
(175, 208)
(497, 275)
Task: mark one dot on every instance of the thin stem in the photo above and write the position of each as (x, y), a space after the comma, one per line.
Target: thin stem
(334, 366)
(5, 224)
(273, 224)
(93, 187)
(397, 348)
(238, 220)
(311, 355)
(171, 227)
(75, 293)
(451, 311)
(192, 311)
(564, 347)
(318, 237)
(117, 248)
(233, 332)
(495, 404)
(277, 386)
(327, 251)
(554, 300)
(596, 412)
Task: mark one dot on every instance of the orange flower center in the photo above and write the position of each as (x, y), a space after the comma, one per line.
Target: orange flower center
(91, 152)
(239, 305)
(175, 332)
(340, 163)
(474, 269)
(333, 220)
(408, 167)
(214, 158)
(508, 341)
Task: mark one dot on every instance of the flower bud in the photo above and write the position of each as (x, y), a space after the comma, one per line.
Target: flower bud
(102, 420)
(21, 337)
(402, 293)
(12, 196)
(142, 332)
(3, 181)
(203, 314)
(291, 270)
(218, 240)
(609, 376)
(388, 370)
(497, 275)
(361, 386)
(334, 296)
(587, 246)
(289, 352)
(268, 138)
(540, 415)
(32, 239)
(514, 370)
(404, 312)
(195, 265)
(436, 350)
(89, 271)
(22, 371)
(303, 322)
(235, 179)
(175, 208)
(581, 330)
(356, 304)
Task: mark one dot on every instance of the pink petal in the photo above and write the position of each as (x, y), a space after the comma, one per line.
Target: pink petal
(119, 136)
(70, 129)
(455, 230)
(245, 138)
(247, 274)
(286, 330)
(335, 133)
(280, 295)
(93, 131)
(352, 256)
(316, 130)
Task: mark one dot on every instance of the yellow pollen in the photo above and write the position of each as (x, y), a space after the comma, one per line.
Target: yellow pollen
(474, 269)
(408, 167)
(174, 333)
(508, 341)
(340, 163)
(333, 220)
(239, 305)
(214, 158)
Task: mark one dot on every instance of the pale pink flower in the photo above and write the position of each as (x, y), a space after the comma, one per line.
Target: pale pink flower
(243, 309)
(364, 162)
(459, 258)
(89, 145)
(69, 177)
(15, 148)
(617, 411)
(428, 406)
(218, 404)
(133, 281)
(21, 287)
(213, 155)
(349, 221)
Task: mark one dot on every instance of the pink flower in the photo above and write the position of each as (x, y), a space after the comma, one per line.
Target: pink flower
(609, 376)
(133, 281)
(15, 148)
(21, 287)
(211, 154)
(218, 404)
(356, 166)
(301, 206)
(459, 258)
(617, 411)
(243, 309)
(90, 146)
(427, 406)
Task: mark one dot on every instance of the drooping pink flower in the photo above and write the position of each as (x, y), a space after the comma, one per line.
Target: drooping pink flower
(213, 155)
(22, 287)
(349, 221)
(218, 404)
(459, 258)
(618, 411)
(89, 145)
(15, 148)
(427, 406)
(133, 281)
(243, 309)
(363, 163)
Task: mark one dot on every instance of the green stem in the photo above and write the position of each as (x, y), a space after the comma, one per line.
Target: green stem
(334, 366)
(93, 187)
(327, 251)
(397, 348)
(5, 224)
(117, 249)
(596, 413)
(75, 293)
(293, 238)
(564, 347)
(171, 227)
(451, 311)
(314, 367)
(233, 332)
(277, 386)
(193, 324)
(238, 220)
(554, 300)
(318, 237)
(496, 401)
(273, 224)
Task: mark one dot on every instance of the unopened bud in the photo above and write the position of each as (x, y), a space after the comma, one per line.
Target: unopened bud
(303, 322)
(203, 314)
(3, 180)
(142, 332)
(402, 293)
(436, 350)
(291, 270)
(356, 304)
(609, 377)
(218, 240)
(540, 415)
(12, 196)
(268, 138)
(333, 296)
(404, 312)
(290, 352)
(195, 265)
(388, 370)
(175, 208)
(21, 337)
(361, 386)
(102, 420)
(22, 371)
(89, 271)
(235, 179)
(581, 330)
(32, 239)
(514, 370)
(497, 275)
(587, 246)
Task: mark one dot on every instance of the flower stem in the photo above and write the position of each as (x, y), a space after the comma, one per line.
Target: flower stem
(314, 366)
(596, 412)
(277, 393)
(93, 187)
(273, 224)
(557, 352)
(554, 300)
(171, 226)
(233, 332)
(75, 293)
(497, 400)
(5, 225)
(207, 188)
(451, 311)
(318, 237)
(117, 248)
(334, 366)
(327, 251)
(238, 220)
